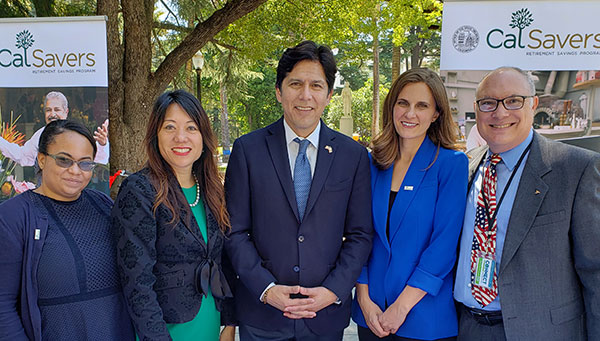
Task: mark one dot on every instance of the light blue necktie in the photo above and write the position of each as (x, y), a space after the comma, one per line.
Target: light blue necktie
(302, 177)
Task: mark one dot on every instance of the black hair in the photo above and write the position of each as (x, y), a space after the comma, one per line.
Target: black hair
(205, 168)
(58, 127)
(307, 50)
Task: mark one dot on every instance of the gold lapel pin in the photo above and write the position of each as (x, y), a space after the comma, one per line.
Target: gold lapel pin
(329, 149)
(537, 191)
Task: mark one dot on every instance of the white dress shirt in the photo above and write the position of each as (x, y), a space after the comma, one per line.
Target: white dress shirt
(292, 147)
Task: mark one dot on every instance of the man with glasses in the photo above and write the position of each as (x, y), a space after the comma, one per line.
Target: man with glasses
(56, 107)
(529, 266)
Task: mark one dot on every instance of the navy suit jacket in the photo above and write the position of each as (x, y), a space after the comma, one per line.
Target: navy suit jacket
(269, 244)
(425, 223)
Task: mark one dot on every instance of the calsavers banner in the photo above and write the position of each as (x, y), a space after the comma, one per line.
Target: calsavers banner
(534, 35)
(53, 52)
(50, 68)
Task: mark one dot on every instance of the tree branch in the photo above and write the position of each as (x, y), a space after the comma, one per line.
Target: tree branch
(160, 45)
(183, 29)
(225, 45)
(170, 11)
(170, 26)
(202, 33)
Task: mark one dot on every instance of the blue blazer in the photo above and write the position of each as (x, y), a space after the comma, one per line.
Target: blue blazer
(425, 223)
(268, 243)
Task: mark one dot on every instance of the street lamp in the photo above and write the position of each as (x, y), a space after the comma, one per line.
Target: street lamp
(198, 61)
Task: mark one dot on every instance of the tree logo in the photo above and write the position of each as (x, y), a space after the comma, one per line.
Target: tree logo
(521, 19)
(24, 40)
(465, 39)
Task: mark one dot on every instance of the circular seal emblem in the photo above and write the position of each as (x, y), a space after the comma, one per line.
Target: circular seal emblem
(465, 39)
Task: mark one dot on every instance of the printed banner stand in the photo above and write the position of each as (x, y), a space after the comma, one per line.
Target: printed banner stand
(534, 35)
(557, 42)
(58, 63)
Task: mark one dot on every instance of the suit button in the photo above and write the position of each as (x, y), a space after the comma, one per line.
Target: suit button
(301, 239)
(296, 268)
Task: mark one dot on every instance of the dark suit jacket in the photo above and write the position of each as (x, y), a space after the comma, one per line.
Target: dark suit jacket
(269, 244)
(165, 268)
(549, 276)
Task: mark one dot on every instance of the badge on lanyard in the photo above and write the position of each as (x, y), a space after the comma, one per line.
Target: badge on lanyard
(484, 270)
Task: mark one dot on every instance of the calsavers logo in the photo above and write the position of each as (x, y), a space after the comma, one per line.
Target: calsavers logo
(39, 58)
(536, 38)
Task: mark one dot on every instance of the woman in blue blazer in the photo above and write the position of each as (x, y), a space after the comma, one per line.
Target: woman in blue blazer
(419, 185)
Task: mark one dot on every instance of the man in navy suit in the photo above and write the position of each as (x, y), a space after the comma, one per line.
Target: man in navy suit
(299, 198)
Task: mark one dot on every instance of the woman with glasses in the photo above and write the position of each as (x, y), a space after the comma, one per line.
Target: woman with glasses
(170, 221)
(419, 185)
(57, 255)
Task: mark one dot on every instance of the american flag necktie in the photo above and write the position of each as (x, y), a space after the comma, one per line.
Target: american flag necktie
(484, 236)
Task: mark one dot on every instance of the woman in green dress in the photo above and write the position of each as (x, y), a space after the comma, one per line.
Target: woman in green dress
(169, 219)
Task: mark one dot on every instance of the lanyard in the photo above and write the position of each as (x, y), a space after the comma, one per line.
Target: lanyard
(510, 179)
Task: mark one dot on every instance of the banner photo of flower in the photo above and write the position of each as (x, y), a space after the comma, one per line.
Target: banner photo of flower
(50, 68)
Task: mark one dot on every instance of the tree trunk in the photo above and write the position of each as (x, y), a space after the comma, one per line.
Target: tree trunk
(189, 67)
(133, 86)
(375, 117)
(416, 51)
(224, 117)
(250, 121)
(43, 8)
(396, 61)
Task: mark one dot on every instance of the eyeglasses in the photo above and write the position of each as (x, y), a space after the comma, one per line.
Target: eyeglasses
(65, 162)
(515, 102)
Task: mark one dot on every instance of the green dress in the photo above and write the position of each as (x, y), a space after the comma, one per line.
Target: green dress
(207, 324)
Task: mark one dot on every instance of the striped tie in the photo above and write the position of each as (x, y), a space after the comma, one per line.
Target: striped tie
(484, 236)
(302, 178)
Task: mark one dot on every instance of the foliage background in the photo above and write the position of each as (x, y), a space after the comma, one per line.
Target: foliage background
(238, 76)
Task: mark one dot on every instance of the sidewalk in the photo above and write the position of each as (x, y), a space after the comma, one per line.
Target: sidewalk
(350, 333)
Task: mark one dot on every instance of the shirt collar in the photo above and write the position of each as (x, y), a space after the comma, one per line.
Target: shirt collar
(290, 135)
(511, 157)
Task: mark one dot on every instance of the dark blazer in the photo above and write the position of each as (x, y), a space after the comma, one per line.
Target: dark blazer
(269, 244)
(165, 268)
(549, 275)
(425, 222)
(20, 253)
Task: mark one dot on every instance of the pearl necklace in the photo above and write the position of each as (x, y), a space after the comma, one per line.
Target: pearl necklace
(197, 193)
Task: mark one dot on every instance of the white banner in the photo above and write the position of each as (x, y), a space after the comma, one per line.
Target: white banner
(50, 68)
(532, 35)
(44, 52)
